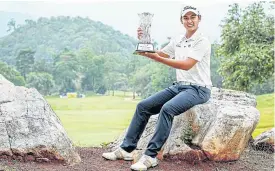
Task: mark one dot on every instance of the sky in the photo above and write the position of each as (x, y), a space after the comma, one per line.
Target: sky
(123, 15)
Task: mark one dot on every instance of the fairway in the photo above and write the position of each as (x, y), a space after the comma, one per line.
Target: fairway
(265, 104)
(94, 120)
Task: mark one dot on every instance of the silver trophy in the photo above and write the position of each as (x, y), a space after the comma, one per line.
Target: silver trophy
(145, 44)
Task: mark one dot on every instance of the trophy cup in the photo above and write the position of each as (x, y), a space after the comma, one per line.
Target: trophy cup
(144, 44)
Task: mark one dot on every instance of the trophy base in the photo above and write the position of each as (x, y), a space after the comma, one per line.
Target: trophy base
(145, 47)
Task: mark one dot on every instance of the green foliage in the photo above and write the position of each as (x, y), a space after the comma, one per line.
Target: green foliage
(43, 65)
(142, 81)
(153, 77)
(80, 54)
(162, 76)
(50, 36)
(11, 74)
(11, 25)
(247, 50)
(214, 66)
(91, 70)
(266, 87)
(66, 72)
(25, 61)
(43, 82)
(113, 70)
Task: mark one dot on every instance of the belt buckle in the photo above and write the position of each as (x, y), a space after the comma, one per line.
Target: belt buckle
(206, 86)
(185, 83)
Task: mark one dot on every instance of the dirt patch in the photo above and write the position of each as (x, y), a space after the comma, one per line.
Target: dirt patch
(251, 160)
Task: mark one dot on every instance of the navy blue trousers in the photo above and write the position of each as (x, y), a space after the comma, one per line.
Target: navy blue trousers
(168, 103)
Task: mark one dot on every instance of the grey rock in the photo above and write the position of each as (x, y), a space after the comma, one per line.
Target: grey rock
(221, 127)
(28, 125)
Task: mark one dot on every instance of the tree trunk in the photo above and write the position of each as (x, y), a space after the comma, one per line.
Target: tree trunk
(134, 93)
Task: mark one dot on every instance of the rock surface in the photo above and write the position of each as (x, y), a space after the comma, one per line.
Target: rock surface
(29, 128)
(265, 141)
(219, 128)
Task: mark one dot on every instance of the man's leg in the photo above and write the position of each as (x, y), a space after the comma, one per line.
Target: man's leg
(189, 97)
(146, 108)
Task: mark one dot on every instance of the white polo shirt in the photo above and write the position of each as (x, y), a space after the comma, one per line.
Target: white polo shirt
(197, 47)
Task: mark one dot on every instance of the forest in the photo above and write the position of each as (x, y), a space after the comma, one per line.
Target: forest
(73, 54)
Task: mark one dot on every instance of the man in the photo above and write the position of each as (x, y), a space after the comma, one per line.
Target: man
(191, 53)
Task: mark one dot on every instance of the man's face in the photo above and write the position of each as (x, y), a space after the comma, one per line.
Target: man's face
(190, 21)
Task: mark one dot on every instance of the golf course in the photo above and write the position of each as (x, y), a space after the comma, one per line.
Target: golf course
(97, 120)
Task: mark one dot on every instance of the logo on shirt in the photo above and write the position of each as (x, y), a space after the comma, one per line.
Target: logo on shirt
(178, 45)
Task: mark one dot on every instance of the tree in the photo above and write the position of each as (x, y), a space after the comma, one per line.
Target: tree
(48, 36)
(43, 82)
(43, 66)
(11, 74)
(66, 72)
(113, 70)
(153, 77)
(247, 50)
(11, 25)
(25, 61)
(142, 81)
(122, 83)
(214, 66)
(266, 87)
(162, 76)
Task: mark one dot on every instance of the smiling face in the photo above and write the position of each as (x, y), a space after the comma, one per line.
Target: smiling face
(190, 21)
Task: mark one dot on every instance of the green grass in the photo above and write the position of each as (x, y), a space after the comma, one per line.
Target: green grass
(94, 120)
(265, 104)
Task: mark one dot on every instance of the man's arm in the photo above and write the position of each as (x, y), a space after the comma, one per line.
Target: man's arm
(178, 64)
(195, 55)
(161, 54)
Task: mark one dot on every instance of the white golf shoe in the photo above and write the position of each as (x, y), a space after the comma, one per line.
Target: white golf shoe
(144, 163)
(118, 154)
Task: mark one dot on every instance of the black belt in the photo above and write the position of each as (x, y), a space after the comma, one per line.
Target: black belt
(188, 83)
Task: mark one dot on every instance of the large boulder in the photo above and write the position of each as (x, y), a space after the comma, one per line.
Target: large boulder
(265, 141)
(220, 128)
(29, 128)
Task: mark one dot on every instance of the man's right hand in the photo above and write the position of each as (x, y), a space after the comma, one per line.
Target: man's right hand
(139, 33)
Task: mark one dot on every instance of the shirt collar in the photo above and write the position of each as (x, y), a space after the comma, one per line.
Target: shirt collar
(195, 35)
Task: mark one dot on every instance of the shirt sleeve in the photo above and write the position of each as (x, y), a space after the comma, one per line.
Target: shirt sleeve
(199, 49)
(169, 49)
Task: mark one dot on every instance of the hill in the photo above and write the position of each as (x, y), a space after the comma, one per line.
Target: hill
(5, 17)
(49, 36)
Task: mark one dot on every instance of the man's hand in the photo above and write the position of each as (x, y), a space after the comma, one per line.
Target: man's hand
(178, 64)
(149, 55)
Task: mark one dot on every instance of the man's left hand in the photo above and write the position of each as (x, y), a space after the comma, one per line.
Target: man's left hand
(149, 55)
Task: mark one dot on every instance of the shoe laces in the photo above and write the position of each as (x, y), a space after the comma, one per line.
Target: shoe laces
(143, 158)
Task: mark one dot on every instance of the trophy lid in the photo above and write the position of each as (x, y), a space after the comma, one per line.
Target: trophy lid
(146, 14)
